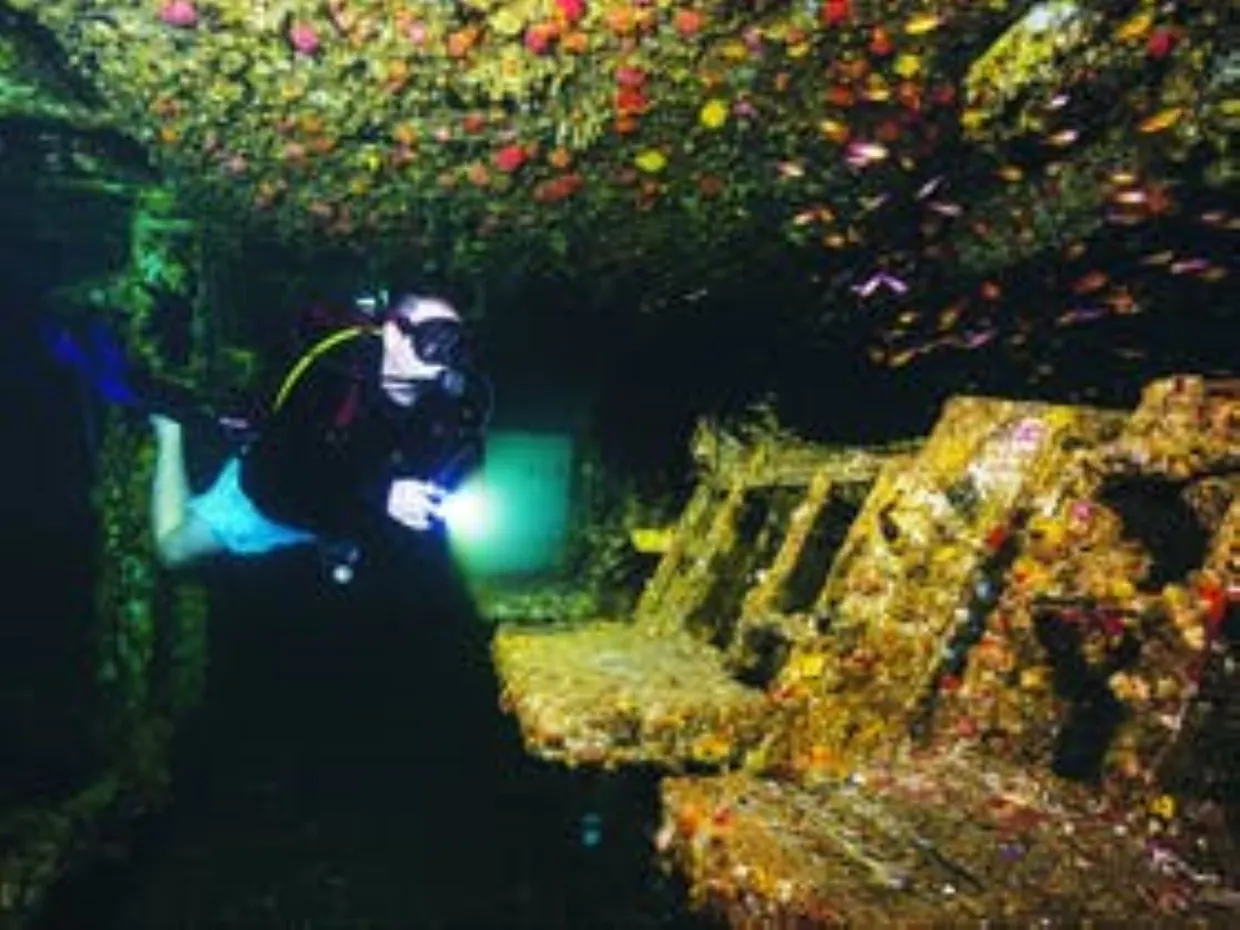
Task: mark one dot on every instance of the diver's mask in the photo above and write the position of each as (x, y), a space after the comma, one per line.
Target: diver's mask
(440, 344)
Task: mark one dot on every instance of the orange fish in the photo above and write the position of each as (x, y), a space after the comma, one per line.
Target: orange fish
(1122, 302)
(1160, 121)
(1094, 281)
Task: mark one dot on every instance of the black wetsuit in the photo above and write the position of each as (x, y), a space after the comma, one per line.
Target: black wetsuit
(325, 459)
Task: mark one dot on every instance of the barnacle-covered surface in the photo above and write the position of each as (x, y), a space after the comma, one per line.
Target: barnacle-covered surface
(942, 840)
(1079, 606)
(1061, 662)
(921, 569)
(484, 127)
(1184, 427)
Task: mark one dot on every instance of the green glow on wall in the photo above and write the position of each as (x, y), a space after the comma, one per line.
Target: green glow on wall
(512, 518)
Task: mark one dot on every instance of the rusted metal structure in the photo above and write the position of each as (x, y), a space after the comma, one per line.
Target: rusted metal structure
(866, 718)
(662, 687)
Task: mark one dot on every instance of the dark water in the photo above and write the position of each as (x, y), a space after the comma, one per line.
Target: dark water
(46, 550)
(350, 769)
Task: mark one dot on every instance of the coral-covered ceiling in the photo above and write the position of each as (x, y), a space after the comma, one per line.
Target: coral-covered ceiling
(603, 132)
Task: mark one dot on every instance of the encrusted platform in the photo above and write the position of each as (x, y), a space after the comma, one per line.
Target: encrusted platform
(659, 689)
(946, 841)
(614, 693)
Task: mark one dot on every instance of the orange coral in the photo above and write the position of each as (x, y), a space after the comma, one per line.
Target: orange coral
(406, 134)
(396, 75)
(841, 96)
(575, 42)
(462, 41)
(621, 20)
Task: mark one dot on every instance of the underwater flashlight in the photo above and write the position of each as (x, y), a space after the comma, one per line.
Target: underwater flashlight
(465, 512)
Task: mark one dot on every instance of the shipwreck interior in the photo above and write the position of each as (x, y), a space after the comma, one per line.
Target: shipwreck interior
(866, 423)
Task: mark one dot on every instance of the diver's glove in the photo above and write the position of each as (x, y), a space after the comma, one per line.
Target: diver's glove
(414, 503)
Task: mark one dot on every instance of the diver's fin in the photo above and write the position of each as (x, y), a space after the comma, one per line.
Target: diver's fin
(98, 359)
(96, 356)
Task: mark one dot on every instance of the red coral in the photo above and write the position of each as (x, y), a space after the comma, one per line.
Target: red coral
(571, 10)
(628, 76)
(835, 12)
(559, 188)
(510, 158)
(1161, 43)
(630, 100)
(304, 38)
(539, 37)
(180, 14)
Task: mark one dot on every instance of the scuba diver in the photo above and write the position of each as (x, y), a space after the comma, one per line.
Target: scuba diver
(377, 422)
(383, 418)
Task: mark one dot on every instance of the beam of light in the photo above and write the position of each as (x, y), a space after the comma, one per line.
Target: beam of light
(467, 512)
(511, 518)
